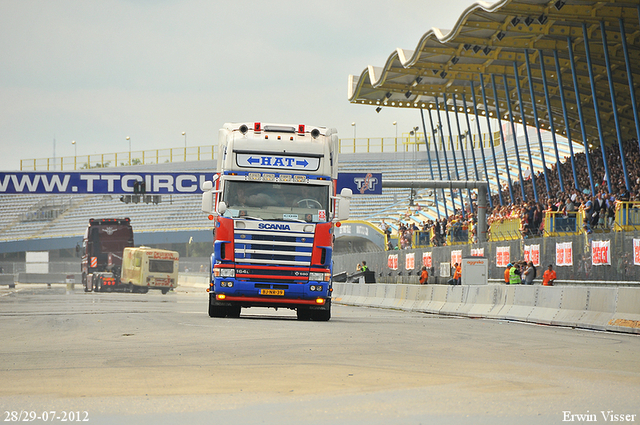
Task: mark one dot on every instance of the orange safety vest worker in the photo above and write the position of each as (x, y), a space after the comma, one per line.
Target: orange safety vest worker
(507, 273)
(424, 276)
(548, 277)
(458, 273)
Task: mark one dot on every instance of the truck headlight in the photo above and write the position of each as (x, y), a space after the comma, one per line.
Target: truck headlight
(320, 276)
(219, 272)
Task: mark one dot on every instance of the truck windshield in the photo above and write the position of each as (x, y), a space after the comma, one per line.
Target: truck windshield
(277, 201)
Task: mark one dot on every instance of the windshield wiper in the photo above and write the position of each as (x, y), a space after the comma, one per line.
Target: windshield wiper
(251, 218)
(289, 219)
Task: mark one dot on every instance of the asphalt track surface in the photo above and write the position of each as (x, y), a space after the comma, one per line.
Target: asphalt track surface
(159, 359)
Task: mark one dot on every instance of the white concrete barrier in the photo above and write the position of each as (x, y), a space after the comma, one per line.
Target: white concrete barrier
(601, 306)
(482, 300)
(548, 303)
(572, 306)
(589, 307)
(438, 299)
(627, 314)
(425, 293)
(453, 300)
(523, 303)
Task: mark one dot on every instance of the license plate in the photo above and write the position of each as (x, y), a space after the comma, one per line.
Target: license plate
(272, 292)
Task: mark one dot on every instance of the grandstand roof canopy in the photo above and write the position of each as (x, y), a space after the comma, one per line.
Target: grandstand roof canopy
(486, 42)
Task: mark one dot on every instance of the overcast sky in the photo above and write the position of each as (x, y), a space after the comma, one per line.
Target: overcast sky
(101, 70)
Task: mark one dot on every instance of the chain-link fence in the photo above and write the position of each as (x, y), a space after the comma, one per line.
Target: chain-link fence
(582, 269)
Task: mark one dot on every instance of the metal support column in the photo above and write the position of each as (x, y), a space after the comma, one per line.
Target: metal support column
(453, 149)
(464, 159)
(550, 115)
(502, 138)
(426, 141)
(585, 142)
(632, 90)
(566, 118)
(537, 123)
(493, 150)
(526, 132)
(592, 79)
(515, 136)
(484, 160)
(444, 151)
(614, 106)
(470, 137)
(435, 146)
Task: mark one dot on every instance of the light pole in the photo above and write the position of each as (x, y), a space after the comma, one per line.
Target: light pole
(184, 133)
(395, 124)
(129, 139)
(75, 153)
(353, 124)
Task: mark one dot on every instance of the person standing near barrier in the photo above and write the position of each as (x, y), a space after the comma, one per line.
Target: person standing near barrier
(457, 274)
(514, 275)
(507, 273)
(364, 267)
(549, 276)
(424, 276)
(529, 274)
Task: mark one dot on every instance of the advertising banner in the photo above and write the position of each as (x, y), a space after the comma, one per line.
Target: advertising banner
(502, 256)
(601, 253)
(361, 183)
(427, 259)
(101, 183)
(456, 257)
(564, 254)
(410, 261)
(532, 253)
(392, 261)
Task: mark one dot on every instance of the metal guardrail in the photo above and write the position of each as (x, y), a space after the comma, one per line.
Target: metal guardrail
(120, 159)
(406, 143)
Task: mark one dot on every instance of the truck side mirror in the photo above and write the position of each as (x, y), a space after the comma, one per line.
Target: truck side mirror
(222, 207)
(207, 201)
(344, 204)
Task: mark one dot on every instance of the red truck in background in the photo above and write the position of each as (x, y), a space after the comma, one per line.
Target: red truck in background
(102, 246)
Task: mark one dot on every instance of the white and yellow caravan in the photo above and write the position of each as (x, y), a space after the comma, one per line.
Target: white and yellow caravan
(145, 268)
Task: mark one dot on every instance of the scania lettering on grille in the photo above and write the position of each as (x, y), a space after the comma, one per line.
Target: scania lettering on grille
(274, 226)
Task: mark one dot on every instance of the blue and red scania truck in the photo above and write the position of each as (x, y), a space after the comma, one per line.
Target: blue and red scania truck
(274, 205)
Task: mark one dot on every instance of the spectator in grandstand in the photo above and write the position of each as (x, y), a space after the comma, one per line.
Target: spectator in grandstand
(611, 210)
(549, 276)
(586, 227)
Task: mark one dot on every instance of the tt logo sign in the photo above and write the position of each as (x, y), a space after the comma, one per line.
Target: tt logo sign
(363, 183)
(366, 183)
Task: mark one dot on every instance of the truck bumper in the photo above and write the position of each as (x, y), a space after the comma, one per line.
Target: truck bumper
(224, 300)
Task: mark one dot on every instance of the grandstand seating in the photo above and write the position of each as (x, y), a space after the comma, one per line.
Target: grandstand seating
(182, 212)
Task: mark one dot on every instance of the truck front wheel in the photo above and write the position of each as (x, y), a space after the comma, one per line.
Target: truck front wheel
(303, 313)
(217, 311)
(85, 283)
(321, 315)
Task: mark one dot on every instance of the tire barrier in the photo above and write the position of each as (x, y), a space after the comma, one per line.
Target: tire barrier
(586, 307)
